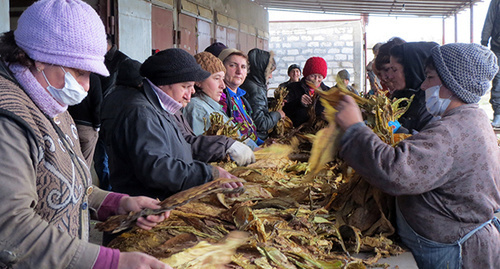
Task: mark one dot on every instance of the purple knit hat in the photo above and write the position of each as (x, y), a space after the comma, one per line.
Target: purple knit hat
(63, 32)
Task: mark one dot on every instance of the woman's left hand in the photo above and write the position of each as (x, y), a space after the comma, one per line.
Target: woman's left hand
(348, 112)
(128, 204)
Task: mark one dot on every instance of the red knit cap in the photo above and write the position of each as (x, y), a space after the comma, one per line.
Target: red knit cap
(315, 65)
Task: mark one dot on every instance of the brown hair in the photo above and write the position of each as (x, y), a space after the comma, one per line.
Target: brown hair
(10, 52)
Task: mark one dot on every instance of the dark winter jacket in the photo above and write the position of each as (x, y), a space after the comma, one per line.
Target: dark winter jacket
(88, 112)
(417, 116)
(294, 109)
(148, 154)
(285, 84)
(491, 27)
(113, 59)
(205, 148)
(413, 60)
(128, 75)
(255, 85)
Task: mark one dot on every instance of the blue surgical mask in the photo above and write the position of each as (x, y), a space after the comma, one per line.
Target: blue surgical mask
(434, 104)
(71, 94)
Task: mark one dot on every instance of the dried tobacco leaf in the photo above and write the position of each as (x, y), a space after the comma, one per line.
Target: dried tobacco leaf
(276, 257)
(284, 125)
(119, 223)
(281, 211)
(218, 126)
(323, 150)
(308, 262)
(280, 95)
(208, 256)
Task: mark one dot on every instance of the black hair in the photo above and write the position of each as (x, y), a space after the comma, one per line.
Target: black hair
(10, 52)
(109, 39)
(397, 52)
(384, 52)
(429, 63)
(197, 89)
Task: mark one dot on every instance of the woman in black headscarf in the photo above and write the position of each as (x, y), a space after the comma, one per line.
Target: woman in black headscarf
(406, 75)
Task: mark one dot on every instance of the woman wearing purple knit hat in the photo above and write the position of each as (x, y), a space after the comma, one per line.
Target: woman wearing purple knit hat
(446, 178)
(47, 191)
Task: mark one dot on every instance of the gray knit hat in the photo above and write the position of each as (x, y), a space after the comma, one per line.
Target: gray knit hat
(344, 74)
(172, 66)
(466, 69)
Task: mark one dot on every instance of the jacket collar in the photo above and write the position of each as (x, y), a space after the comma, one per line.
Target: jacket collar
(111, 53)
(210, 102)
(166, 102)
(152, 98)
(239, 92)
(6, 73)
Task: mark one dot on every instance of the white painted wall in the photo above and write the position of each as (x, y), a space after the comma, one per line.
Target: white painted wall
(340, 43)
(4, 16)
(134, 26)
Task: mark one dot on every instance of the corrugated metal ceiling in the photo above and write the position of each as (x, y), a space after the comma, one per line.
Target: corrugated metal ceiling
(426, 8)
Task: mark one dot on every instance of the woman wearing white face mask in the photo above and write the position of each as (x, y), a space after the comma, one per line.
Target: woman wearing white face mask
(47, 193)
(71, 93)
(446, 177)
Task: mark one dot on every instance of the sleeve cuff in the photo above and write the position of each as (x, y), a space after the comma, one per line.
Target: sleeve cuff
(352, 129)
(109, 206)
(215, 172)
(107, 258)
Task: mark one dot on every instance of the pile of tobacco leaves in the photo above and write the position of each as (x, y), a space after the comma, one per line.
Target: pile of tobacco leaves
(302, 206)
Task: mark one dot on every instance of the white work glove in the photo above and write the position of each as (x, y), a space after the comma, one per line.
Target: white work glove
(241, 154)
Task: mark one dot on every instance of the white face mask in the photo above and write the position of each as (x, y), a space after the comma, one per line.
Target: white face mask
(434, 104)
(71, 94)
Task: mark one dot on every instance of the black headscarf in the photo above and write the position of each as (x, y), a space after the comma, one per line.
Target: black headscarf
(412, 56)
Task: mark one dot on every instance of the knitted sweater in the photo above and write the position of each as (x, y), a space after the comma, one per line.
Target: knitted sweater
(46, 186)
(446, 178)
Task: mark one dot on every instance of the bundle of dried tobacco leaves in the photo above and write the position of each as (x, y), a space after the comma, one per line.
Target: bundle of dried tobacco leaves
(295, 214)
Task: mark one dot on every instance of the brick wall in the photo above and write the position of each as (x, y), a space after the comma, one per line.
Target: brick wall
(338, 42)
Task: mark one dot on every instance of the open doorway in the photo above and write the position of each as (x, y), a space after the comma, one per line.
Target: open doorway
(16, 8)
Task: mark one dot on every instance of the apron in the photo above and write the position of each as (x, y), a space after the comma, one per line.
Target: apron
(430, 254)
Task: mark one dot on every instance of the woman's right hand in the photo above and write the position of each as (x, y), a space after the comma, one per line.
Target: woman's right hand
(348, 112)
(138, 260)
(306, 100)
(231, 185)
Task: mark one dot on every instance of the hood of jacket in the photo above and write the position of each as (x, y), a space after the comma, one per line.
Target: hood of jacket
(261, 63)
(414, 56)
(129, 74)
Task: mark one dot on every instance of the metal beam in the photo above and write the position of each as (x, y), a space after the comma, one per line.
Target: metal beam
(441, 8)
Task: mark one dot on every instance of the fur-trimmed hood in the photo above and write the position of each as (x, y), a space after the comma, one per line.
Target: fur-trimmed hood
(261, 64)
